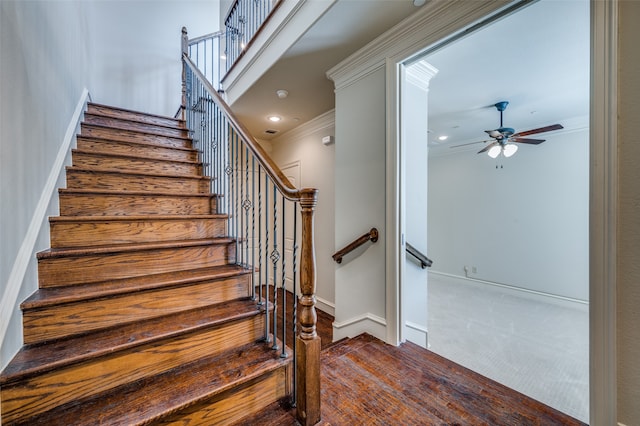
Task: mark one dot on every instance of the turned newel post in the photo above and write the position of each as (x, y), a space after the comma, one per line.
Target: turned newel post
(308, 341)
(185, 50)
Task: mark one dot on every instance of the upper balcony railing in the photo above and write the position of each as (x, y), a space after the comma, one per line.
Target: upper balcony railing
(207, 53)
(244, 21)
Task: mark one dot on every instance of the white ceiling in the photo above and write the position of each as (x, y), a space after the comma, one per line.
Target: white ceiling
(346, 27)
(537, 59)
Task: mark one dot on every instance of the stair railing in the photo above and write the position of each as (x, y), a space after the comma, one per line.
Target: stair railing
(207, 52)
(262, 209)
(425, 262)
(372, 236)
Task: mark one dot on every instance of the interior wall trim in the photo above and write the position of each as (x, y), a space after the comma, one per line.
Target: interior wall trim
(539, 295)
(365, 323)
(603, 213)
(25, 253)
(326, 306)
(321, 122)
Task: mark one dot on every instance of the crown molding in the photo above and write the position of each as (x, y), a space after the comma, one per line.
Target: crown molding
(442, 17)
(321, 122)
(420, 74)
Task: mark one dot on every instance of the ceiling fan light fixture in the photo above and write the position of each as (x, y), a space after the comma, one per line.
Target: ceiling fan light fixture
(494, 151)
(510, 149)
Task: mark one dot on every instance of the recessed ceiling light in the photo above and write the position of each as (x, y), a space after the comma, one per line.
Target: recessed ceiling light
(274, 118)
(442, 138)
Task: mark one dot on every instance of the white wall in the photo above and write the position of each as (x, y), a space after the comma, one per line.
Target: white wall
(628, 290)
(304, 145)
(523, 224)
(360, 205)
(44, 63)
(135, 50)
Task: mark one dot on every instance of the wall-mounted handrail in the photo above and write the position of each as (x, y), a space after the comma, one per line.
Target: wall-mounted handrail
(256, 196)
(372, 236)
(425, 262)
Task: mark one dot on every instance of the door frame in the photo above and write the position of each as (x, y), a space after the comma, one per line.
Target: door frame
(602, 183)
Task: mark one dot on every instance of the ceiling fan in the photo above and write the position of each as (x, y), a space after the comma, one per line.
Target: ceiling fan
(504, 138)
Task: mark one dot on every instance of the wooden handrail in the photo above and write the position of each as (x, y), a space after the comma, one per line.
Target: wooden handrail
(289, 191)
(425, 262)
(372, 236)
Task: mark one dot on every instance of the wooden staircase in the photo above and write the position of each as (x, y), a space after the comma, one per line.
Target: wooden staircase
(142, 315)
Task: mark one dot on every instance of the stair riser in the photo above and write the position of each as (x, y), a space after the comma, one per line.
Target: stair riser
(235, 404)
(91, 268)
(107, 162)
(114, 205)
(139, 150)
(47, 391)
(134, 116)
(135, 126)
(95, 233)
(122, 182)
(64, 320)
(131, 136)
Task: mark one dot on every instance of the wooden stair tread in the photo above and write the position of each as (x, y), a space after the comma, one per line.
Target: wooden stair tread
(133, 157)
(122, 135)
(158, 397)
(106, 140)
(136, 131)
(72, 191)
(125, 110)
(129, 247)
(65, 219)
(36, 359)
(137, 173)
(58, 295)
(131, 121)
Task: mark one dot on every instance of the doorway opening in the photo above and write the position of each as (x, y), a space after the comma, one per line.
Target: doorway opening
(509, 289)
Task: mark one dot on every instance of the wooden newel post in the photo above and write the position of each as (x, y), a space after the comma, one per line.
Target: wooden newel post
(184, 47)
(308, 341)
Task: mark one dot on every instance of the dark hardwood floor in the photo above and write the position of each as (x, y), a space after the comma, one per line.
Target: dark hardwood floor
(368, 382)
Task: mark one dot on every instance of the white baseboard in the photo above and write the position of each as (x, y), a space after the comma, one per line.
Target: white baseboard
(25, 253)
(523, 292)
(416, 333)
(365, 323)
(325, 306)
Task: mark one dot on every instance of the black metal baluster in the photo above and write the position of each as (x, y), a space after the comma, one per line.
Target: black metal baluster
(260, 235)
(284, 286)
(236, 209)
(253, 227)
(294, 313)
(266, 253)
(228, 171)
(241, 217)
(275, 256)
(247, 205)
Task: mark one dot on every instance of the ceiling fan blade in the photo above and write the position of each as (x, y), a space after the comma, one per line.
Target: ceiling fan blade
(525, 140)
(493, 133)
(539, 130)
(488, 147)
(471, 143)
